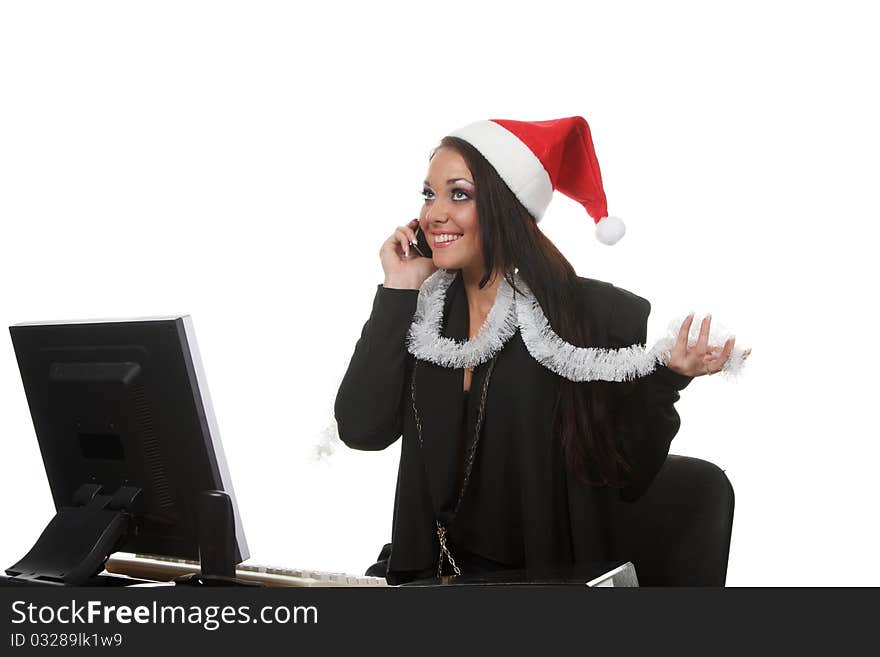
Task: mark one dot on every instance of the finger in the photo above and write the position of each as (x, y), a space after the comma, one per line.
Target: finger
(728, 347)
(703, 340)
(680, 347)
(719, 353)
(406, 232)
(410, 230)
(716, 363)
(403, 240)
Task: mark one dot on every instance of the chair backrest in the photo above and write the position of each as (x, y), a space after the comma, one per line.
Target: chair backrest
(678, 532)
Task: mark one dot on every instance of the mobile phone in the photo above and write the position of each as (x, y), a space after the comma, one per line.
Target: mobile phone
(422, 247)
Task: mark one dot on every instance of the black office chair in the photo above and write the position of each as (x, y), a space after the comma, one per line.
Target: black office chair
(678, 532)
(379, 568)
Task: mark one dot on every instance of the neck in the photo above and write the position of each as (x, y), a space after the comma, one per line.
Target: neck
(480, 300)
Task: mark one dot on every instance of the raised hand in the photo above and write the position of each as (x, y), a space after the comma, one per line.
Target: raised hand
(403, 266)
(699, 359)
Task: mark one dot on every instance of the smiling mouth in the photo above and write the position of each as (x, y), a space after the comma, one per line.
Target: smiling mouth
(446, 241)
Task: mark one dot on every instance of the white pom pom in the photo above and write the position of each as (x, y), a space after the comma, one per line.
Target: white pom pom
(609, 230)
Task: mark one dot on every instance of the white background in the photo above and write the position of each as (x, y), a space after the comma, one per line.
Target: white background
(243, 162)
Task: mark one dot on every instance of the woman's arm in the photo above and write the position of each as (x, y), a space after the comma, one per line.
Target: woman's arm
(368, 405)
(646, 414)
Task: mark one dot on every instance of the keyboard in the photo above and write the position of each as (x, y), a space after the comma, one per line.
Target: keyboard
(165, 569)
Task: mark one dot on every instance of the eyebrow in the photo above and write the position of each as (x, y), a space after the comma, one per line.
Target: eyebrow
(452, 180)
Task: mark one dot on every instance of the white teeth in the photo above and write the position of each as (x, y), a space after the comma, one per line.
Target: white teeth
(446, 238)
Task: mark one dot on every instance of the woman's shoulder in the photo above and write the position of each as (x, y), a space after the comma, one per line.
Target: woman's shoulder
(607, 294)
(622, 313)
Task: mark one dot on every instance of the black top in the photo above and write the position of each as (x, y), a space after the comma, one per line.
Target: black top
(521, 507)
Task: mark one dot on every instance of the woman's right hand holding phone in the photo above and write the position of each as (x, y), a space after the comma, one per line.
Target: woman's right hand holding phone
(404, 267)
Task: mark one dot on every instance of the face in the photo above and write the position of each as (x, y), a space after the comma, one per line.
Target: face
(449, 214)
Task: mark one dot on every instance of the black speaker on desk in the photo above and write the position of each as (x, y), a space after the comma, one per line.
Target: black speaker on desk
(216, 524)
(216, 534)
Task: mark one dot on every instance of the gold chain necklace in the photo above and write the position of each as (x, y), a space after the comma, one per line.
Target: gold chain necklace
(469, 464)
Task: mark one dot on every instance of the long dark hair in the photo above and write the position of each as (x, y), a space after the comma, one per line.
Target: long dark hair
(511, 238)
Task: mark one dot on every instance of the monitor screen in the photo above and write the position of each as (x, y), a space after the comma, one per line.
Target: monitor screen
(125, 403)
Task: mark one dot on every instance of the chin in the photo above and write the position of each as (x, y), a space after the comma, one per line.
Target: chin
(450, 261)
(447, 263)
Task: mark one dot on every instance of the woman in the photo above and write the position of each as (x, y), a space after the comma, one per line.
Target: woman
(522, 392)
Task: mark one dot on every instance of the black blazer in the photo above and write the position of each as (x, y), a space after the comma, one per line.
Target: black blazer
(521, 507)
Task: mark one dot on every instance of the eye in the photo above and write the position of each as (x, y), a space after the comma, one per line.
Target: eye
(462, 192)
(427, 194)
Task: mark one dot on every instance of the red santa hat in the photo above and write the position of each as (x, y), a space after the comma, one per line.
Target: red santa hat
(536, 157)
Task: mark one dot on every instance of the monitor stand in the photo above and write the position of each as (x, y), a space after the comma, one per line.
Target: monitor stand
(72, 549)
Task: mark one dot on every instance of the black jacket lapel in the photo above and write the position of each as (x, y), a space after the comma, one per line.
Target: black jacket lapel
(439, 395)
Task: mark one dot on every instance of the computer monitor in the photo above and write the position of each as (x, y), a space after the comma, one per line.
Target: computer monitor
(128, 438)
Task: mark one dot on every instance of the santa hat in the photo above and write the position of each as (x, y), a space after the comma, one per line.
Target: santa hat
(536, 157)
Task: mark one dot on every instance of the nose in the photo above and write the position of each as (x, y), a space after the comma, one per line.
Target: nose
(438, 212)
